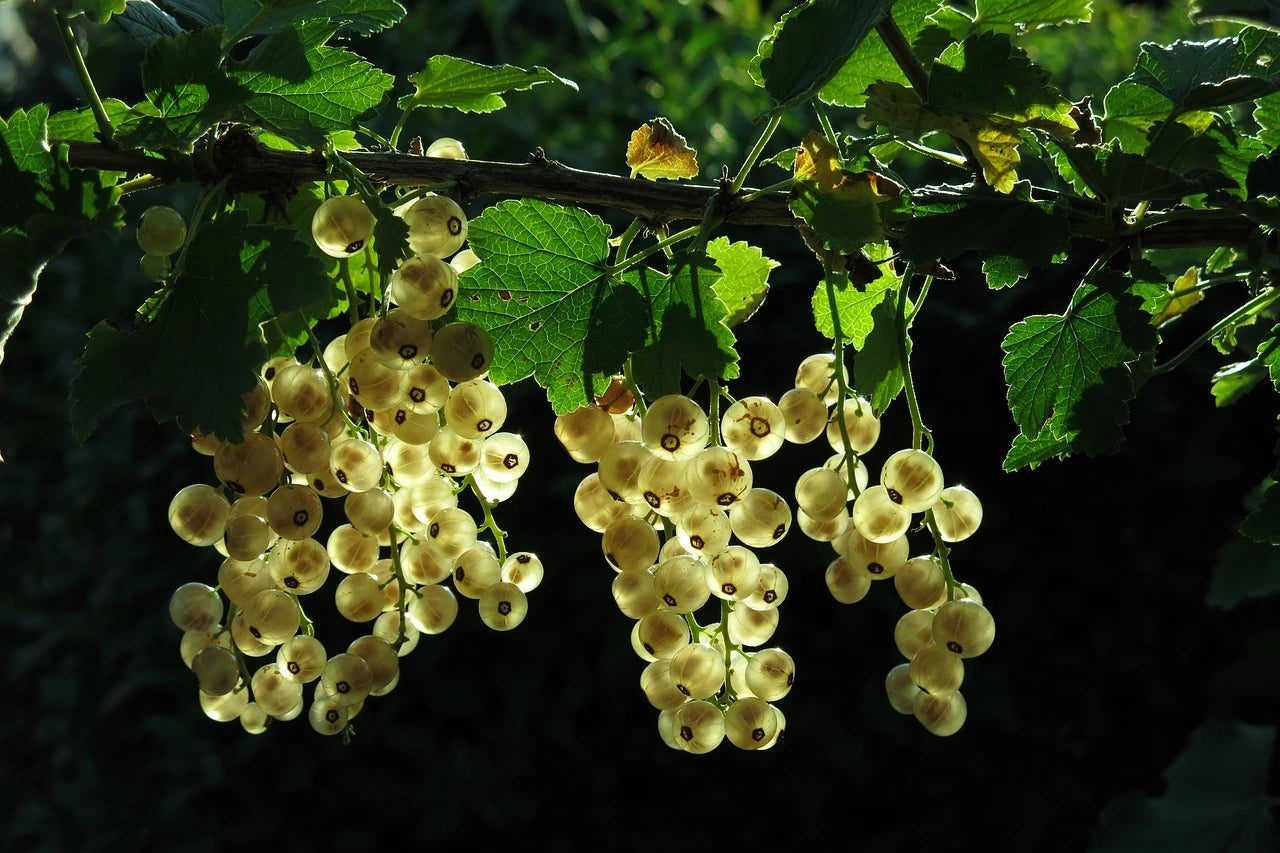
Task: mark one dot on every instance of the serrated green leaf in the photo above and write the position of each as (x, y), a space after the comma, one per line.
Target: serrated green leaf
(1003, 271)
(349, 17)
(201, 350)
(744, 277)
(810, 44)
(1052, 361)
(1204, 75)
(446, 81)
(81, 126)
(1214, 798)
(1263, 524)
(854, 303)
(302, 91)
(1243, 570)
(689, 334)
(47, 205)
(841, 207)
(1018, 15)
(1011, 230)
(1131, 110)
(543, 293)
(146, 22)
(1267, 115)
(877, 367)
(1121, 178)
(1259, 13)
(1093, 426)
(872, 60)
(983, 90)
(187, 88)
(1033, 452)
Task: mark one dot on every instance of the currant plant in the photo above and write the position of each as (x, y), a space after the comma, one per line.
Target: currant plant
(338, 313)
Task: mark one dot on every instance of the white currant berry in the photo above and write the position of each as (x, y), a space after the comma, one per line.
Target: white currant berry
(161, 230)
(342, 225)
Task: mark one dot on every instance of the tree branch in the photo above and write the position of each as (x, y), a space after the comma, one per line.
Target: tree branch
(253, 168)
(248, 167)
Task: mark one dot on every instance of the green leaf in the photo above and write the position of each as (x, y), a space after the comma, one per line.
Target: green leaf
(1214, 799)
(810, 44)
(1259, 13)
(985, 91)
(1233, 381)
(1267, 115)
(1263, 524)
(1204, 75)
(146, 22)
(543, 293)
(81, 126)
(689, 330)
(1131, 110)
(1010, 15)
(877, 367)
(1013, 232)
(446, 81)
(300, 91)
(744, 277)
(187, 90)
(200, 351)
(854, 303)
(47, 204)
(350, 17)
(872, 60)
(1243, 570)
(1053, 361)
(1121, 178)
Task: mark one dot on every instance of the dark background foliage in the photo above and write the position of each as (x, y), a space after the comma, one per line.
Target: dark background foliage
(1096, 570)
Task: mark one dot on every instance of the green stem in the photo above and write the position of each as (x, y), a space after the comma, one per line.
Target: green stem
(1245, 311)
(353, 299)
(105, 130)
(630, 381)
(420, 192)
(333, 382)
(944, 156)
(489, 524)
(726, 608)
(399, 575)
(827, 129)
(714, 420)
(941, 552)
(918, 429)
(657, 247)
(197, 219)
(146, 182)
(754, 154)
(624, 239)
(399, 128)
(307, 625)
(780, 185)
(837, 351)
(920, 297)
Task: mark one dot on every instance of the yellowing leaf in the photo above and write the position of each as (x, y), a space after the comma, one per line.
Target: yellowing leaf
(657, 151)
(841, 207)
(818, 162)
(1179, 299)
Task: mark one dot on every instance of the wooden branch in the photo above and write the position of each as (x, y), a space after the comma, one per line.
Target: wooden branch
(249, 167)
(253, 168)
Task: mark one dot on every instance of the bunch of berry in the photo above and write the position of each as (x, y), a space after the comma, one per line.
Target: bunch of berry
(396, 419)
(947, 621)
(667, 470)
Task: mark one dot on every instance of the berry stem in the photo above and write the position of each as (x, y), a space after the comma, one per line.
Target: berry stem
(714, 420)
(1245, 312)
(659, 246)
(353, 298)
(489, 524)
(630, 381)
(837, 370)
(918, 430)
(399, 575)
(624, 240)
(105, 131)
(754, 154)
(941, 552)
(307, 624)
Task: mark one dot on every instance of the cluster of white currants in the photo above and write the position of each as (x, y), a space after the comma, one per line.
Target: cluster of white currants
(947, 621)
(658, 472)
(161, 232)
(396, 420)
